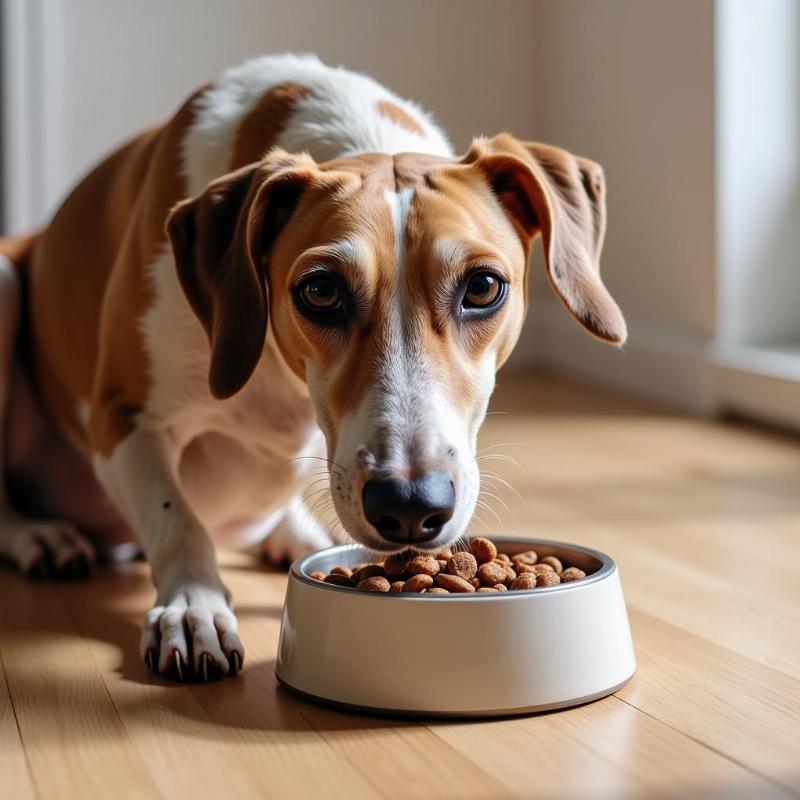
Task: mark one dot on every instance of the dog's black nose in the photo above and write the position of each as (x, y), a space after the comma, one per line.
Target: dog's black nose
(409, 511)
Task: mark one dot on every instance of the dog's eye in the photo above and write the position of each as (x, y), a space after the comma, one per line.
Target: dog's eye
(483, 290)
(321, 294)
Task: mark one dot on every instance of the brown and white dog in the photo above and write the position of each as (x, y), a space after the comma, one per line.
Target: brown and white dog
(337, 277)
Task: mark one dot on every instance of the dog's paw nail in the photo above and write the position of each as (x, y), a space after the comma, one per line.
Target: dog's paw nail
(77, 568)
(41, 569)
(174, 669)
(209, 669)
(151, 660)
(37, 571)
(235, 661)
(178, 665)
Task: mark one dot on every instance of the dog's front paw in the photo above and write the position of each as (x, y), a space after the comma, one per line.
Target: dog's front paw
(192, 635)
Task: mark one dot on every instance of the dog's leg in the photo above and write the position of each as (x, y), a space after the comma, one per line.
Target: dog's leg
(191, 627)
(297, 534)
(40, 548)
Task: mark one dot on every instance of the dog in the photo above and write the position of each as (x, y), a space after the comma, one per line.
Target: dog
(295, 270)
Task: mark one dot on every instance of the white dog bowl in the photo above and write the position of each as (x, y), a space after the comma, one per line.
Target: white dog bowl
(457, 655)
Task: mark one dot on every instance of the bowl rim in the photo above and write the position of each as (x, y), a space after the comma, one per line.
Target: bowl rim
(608, 568)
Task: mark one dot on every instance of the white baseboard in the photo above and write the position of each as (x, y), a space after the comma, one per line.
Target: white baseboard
(761, 382)
(654, 363)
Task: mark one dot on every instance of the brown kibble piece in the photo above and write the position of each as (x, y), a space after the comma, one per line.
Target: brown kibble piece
(337, 579)
(553, 562)
(525, 581)
(396, 564)
(511, 574)
(463, 565)
(476, 582)
(521, 568)
(370, 571)
(418, 583)
(504, 557)
(483, 549)
(377, 583)
(572, 574)
(436, 590)
(501, 587)
(396, 586)
(528, 557)
(423, 565)
(491, 573)
(454, 583)
(442, 562)
(542, 568)
(487, 590)
(445, 554)
(341, 570)
(547, 579)
(317, 576)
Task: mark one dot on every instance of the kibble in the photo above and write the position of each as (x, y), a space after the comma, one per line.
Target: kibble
(554, 562)
(491, 573)
(418, 583)
(423, 565)
(528, 557)
(572, 574)
(483, 549)
(337, 579)
(396, 564)
(368, 571)
(346, 571)
(547, 579)
(453, 583)
(462, 565)
(479, 570)
(525, 581)
(376, 583)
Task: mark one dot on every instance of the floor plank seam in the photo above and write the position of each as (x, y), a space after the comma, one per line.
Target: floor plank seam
(769, 779)
(19, 728)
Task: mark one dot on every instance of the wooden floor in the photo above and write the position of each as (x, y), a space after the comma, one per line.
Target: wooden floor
(704, 521)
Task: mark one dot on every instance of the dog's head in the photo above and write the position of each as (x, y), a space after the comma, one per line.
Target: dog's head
(395, 287)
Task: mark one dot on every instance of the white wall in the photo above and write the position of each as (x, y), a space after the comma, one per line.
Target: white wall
(98, 70)
(630, 84)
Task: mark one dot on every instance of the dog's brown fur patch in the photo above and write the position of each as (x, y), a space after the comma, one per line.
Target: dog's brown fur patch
(263, 124)
(401, 117)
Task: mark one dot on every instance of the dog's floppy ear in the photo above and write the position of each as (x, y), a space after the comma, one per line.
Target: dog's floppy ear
(219, 240)
(547, 190)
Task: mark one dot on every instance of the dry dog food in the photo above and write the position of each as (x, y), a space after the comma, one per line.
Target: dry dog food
(481, 569)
